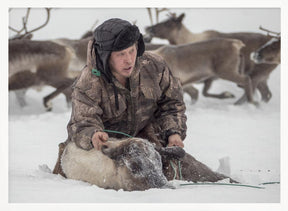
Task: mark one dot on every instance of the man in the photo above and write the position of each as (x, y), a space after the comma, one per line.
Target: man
(123, 90)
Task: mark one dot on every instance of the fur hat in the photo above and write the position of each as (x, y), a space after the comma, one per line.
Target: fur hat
(115, 35)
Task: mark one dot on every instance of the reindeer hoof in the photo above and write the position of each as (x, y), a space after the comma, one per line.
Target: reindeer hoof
(172, 152)
(48, 106)
(239, 102)
(227, 95)
(256, 104)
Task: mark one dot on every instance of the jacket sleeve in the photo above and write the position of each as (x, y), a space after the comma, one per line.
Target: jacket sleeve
(171, 113)
(85, 119)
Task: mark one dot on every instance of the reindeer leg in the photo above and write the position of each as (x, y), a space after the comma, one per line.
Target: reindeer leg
(47, 100)
(62, 86)
(20, 96)
(191, 170)
(207, 85)
(20, 82)
(58, 168)
(192, 91)
(248, 89)
(264, 90)
(241, 100)
(259, 76)
(242, 80)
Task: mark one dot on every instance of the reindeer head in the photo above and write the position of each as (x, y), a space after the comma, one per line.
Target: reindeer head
(269, 53)
(143, 162)
(166, 28)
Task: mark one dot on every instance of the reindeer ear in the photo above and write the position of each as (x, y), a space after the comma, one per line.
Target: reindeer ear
(135, 165)
(180, 18)
(111, 151)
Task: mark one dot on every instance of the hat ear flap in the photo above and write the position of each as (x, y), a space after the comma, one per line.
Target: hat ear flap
(102, 62)
(99, 63)
(141, 46)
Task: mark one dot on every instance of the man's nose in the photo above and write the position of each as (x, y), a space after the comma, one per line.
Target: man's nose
(128, 59)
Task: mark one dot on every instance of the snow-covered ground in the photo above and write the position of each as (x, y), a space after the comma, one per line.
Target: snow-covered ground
(248, 136)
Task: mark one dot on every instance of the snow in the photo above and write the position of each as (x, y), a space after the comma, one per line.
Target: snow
(248, 137)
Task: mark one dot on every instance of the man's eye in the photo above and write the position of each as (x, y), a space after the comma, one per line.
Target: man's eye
(120, 54)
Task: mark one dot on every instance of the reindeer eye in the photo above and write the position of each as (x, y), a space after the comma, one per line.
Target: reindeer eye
(104, 147)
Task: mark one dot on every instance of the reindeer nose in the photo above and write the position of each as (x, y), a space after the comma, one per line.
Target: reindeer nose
(147, 37)
(149, 29)
(255, 56)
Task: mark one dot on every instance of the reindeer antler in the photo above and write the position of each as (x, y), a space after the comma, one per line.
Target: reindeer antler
(157, 12)
(171, 15)
(25, 21)
(95, 24)
(269, 31)
(150, 15)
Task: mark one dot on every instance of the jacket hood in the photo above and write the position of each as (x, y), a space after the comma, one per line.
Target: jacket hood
(91, 57)
(114, 35)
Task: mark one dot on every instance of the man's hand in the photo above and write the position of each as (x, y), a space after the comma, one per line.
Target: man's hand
(175, 140)
(99, 139)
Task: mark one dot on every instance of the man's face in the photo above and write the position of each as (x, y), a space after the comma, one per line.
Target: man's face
(122, 62)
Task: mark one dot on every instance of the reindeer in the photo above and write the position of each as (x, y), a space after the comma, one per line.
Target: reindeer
(176, 33)
(128, 164)
(42, 67)
(200, 61)
(37, 63)
(269, 53)
(132, 164)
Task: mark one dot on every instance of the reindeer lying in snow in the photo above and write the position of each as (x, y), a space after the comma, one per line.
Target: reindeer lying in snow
(132, 164)
(127, 164)
(205, 61)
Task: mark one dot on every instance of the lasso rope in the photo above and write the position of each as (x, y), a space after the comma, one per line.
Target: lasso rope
(175, 170)
(118, 132)
(223, 184)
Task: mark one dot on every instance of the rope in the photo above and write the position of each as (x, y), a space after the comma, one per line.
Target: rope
(213, 184)
(224, 184)
(269, 183)
(175, 171)
(180, 170)
(118, 132)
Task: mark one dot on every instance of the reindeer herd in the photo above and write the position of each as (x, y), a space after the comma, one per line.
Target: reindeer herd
(246, 59)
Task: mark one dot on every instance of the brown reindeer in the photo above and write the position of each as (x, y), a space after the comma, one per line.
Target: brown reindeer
(56, 63)
(37, 63)
(200, 61)
(176, 33)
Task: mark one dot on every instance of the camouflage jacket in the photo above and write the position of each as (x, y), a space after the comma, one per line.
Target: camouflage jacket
(154, 94)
